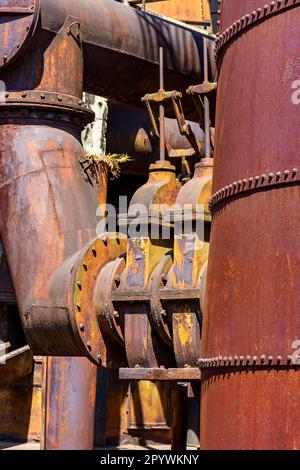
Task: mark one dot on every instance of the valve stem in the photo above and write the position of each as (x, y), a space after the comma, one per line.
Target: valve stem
(162, 145)
(206, 101)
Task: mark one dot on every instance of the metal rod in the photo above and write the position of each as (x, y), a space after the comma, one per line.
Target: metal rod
(162, 146)
(206, 102)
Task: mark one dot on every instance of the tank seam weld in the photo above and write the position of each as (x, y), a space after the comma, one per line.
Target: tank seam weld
(251, 19)
(252, 184)
(247, 361)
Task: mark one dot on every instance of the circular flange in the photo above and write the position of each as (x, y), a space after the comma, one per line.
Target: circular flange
(38, 100)
(110, 320)
(18, 22)
(94, 257)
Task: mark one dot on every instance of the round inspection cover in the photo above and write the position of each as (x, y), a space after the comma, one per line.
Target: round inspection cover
(18, 19)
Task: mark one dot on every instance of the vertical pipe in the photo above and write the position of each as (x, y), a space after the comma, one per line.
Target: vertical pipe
(162, 146)
(70, 404)
(180, 413)
(206, 101)
(40, 181)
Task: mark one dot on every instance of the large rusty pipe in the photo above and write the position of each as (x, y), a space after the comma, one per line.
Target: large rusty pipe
(120, 48)
(47, 213)
(69, 403)
(250, 346)
(43, 221)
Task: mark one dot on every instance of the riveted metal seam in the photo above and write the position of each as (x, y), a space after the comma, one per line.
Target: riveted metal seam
(252, 184)
(253, 18)
(247, 361)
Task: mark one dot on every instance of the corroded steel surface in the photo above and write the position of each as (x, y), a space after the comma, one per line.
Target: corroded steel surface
(40, 178)
(149, 407)
(20, 19)
(70, 404)
(47, 203)
(48, 213)
(15, 365)
(252, 308)
(121, 47)
(245, 15)
(89, 313)
(143, 347)
(180, 418)
(190, 258)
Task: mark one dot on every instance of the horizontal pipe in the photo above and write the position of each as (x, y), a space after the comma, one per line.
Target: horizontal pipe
(121, 47)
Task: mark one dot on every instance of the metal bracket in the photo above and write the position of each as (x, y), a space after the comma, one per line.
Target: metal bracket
(160, 375)
(75, 23)
(197, 91)
(185, 129)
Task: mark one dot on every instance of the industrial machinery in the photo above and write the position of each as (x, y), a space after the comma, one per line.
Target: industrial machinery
(65, 275)
(126, 323)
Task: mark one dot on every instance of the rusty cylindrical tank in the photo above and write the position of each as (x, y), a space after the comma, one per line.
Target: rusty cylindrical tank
(250, 377)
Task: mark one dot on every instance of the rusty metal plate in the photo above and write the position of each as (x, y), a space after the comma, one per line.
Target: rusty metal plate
(18, 19)
(246, 410)
(70, 397)
(253, 302)
(238, 16)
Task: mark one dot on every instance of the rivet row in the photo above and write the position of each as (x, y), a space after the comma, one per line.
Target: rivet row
(252, 184)
(246, 361)
(252, 18)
